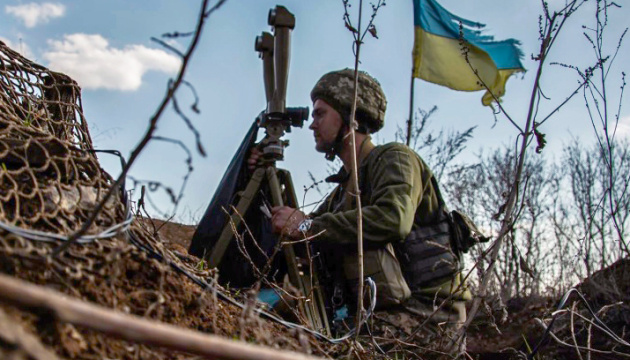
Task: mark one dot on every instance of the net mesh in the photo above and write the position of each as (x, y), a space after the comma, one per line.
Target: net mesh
(50, 179)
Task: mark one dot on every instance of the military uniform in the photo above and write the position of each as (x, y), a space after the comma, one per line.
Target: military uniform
(398, 198)
(406, 237)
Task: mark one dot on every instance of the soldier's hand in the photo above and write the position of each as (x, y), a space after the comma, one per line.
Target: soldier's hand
(254, 156)
(285, 220)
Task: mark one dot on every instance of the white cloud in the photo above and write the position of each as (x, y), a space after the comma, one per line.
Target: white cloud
(33, 14)
(20, 47)
(94, 64)
(623, 128)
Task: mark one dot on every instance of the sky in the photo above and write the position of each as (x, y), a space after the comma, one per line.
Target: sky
(106, 47)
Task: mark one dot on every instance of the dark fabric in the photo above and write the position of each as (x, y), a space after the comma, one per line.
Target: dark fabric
(426, 256)
(464, 232)
(235, 269)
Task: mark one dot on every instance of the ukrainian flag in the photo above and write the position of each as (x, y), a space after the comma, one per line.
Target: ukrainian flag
(439, 46)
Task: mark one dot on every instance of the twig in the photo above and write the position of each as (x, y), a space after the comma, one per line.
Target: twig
(358, 38)
(133, 328)
(597, 351)
(548, 36)
(16, 336)
(588, 340)
(261, 275)
(573, 331)
(603, 329)
(306, 239)
(173, 86)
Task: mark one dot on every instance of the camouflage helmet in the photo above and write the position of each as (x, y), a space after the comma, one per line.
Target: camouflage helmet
(336, 89)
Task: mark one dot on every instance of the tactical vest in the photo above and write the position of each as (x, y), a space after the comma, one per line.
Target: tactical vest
(424, 260)
(425, 256)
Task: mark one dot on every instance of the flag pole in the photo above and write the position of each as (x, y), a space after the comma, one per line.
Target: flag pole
(410, 119)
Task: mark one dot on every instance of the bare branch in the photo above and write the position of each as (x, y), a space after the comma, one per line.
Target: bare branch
(171, 90)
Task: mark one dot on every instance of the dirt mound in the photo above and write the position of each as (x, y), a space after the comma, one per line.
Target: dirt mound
(178, 236)
(594, 315)
(118, 275)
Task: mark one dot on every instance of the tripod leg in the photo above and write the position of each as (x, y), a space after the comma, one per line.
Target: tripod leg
(318, 304)
(306, 281)
(276, 197)
(289, 252)
(215, 257)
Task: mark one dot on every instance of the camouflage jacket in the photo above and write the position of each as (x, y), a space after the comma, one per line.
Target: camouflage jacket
(396, 185)
(397, 196)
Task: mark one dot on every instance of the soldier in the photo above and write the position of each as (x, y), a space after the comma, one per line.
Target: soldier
(405, 231)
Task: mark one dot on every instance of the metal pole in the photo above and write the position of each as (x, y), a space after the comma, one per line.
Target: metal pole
(410, 119)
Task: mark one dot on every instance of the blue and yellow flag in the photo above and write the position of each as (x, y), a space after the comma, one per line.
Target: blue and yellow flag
(440, 42)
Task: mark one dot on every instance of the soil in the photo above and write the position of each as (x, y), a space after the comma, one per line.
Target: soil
(117, 274)
(127, 279)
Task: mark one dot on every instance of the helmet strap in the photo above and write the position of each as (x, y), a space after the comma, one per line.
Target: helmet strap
(337, 145)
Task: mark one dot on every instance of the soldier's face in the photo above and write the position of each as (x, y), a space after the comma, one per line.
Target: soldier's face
(326, 125)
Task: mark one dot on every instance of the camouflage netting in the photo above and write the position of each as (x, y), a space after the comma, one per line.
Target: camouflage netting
(50, 179)
(50, 182)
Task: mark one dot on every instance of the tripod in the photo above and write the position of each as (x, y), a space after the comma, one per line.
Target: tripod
(299, 270)
(278, 119)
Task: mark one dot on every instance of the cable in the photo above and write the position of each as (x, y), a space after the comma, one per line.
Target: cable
(372, 287)
(109, 232)
(562, 303)
(37, 235)
(371, 284)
